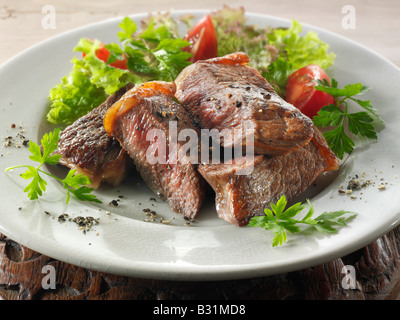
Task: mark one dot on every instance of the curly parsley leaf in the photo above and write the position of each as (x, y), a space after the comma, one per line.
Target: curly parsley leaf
(37, 186)
(346, 125)
(281, 220)
(74, 183)
(128, 28)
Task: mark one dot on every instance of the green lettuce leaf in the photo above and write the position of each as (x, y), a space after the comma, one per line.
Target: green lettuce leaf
(275, 52)
(155, 53)
(295, 51)
(74, 96)
(234, 34)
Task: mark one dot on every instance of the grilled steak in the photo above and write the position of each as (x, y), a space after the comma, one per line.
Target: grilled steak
(147, 111)
(224, 93)
(85, 146)
(240, 197)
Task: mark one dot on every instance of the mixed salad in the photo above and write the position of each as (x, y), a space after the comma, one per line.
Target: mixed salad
(158, 52)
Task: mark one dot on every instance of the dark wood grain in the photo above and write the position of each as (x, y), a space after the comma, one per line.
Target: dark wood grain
(377, 274)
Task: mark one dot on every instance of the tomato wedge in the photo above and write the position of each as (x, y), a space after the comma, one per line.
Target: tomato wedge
(301, 93)
(203, 40)
(103, 54)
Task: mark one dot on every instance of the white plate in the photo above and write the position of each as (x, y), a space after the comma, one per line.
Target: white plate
(209, 249)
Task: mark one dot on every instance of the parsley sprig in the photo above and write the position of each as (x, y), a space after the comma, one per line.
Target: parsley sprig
(280, 220)
(74, 183)
(339, 117)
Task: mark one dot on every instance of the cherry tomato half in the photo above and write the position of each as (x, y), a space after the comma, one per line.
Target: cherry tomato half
(301, 93)
(102, 53)
(203, 40)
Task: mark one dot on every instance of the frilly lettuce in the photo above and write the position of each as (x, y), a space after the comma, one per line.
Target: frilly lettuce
(275, 52)
(234, 34)
(156, 53)
(74, 96)
(153, 54)
(295, 51)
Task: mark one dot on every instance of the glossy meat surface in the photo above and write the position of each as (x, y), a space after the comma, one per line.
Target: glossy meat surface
(139, 121)
(239, 197)
(224, 93)
(85, 146)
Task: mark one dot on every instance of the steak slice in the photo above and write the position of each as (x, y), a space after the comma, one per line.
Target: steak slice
(86, 147)
(224, 93)
(138, 121)
(239, 197)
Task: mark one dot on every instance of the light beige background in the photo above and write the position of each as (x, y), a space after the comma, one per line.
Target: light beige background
(377, 22)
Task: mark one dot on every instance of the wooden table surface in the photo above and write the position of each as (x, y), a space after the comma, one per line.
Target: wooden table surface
(377, 27)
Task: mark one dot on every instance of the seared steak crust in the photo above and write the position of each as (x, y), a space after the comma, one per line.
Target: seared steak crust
(85, 146)
(240, 197)
(148, 107)
(224, 93)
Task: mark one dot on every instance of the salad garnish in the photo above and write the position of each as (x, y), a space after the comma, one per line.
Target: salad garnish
(158, 52)
(235, 34)
(337, 115)
(280, 220)
(295, 51)
(275, 52)
(75, 183)
(153, 54)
